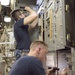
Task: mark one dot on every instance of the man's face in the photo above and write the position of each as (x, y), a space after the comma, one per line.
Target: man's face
(22, 15)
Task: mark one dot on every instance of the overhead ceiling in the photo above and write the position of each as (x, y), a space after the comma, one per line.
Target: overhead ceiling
(28, 2)
(25, 2)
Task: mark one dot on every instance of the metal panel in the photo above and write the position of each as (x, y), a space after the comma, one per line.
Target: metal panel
(73, 60)
(55, 25)
(50, 42)
(60, 28)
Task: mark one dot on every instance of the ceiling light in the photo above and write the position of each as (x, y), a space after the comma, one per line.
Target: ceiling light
(7, 19)
(5, 2)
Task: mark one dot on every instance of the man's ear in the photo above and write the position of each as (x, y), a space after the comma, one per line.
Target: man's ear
(39, 49)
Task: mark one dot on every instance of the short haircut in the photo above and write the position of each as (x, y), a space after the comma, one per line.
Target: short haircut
(37, 43)
(15, 14)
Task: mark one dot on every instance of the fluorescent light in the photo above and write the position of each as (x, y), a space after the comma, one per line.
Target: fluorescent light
(39, 2)
(5, 2)
(40, 9)
(6, 42)
(7, 19)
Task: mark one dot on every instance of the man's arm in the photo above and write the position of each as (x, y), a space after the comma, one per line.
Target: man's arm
(29, 19)
(33, 24)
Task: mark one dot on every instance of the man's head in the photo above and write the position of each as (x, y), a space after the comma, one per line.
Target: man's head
(39, 49)
(17, 14)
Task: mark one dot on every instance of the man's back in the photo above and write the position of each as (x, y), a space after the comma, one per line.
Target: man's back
(27, 65)
(21, 35)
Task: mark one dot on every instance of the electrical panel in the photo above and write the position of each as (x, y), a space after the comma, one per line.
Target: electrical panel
(59, 24)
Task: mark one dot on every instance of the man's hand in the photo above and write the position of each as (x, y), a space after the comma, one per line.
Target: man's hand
(27, 8)
(49, 70)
